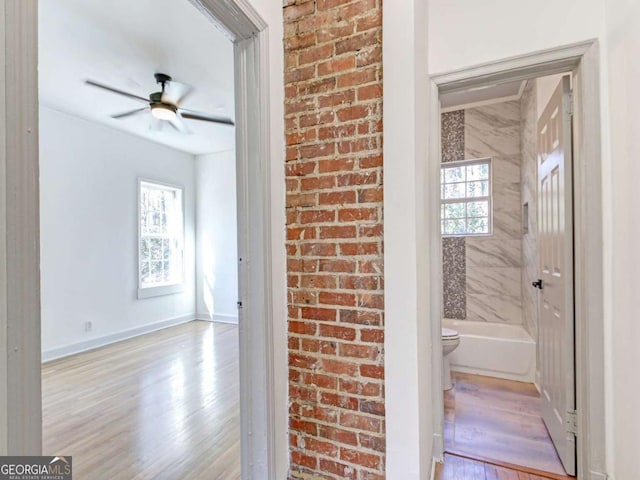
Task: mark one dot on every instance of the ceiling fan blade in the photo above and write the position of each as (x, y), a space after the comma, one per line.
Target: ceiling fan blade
(156, 124)
(176, 92)
(206, 117)
(115, 90)
(178, 124)
(130, 113)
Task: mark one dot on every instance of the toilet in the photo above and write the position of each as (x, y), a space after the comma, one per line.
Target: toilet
(450, 341)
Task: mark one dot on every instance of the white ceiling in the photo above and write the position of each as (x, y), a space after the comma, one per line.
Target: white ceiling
(489, 94)
(122, 43)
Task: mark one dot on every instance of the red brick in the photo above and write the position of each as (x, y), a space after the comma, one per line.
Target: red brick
(313, 55)
(359, 388)
(303, 426)
(357, 282)
(294, 12)
(318, 183)
(317, 216)
(375, 408)
(343, 471)
(346, 231)
(325, 314)
(337, 265)
(336, 331)
(372, 371)
(341, 401)
(360, 248)
(336, 65)
(360, 458)
(361, 317)
(374, 336)
(357, 42)
(360, 422)
(318, 281)
(357, 214)
(300, 458)
(335, 298)
(358, 351)
(338, 434)
(337, 198)
(304, 328)
(336, 165)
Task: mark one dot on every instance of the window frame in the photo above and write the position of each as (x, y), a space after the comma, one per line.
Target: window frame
(467, 163)
(159, 290)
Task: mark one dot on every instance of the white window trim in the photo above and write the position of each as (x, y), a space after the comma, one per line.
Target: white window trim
(489, 198)
(160, 290)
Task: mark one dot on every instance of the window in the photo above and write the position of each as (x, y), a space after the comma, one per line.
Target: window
(466, 197)
(161, 239)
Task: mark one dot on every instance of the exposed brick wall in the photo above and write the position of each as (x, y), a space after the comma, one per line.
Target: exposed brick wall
(333, 115)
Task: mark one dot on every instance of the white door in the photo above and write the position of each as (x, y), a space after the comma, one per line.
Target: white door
(555, 251)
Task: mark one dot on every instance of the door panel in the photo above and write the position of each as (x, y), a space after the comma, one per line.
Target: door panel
(555, 243)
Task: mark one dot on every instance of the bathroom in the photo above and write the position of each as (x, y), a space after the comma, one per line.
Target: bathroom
(491, 255)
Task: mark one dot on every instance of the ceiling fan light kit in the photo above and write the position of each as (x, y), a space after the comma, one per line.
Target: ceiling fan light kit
(165, 105)
(163, 111)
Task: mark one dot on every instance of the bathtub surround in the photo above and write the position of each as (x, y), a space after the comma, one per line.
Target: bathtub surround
(529, 118)
(493, 262)
(490, 289)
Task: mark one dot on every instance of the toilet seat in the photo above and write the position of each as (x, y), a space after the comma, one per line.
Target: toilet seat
(448, 332)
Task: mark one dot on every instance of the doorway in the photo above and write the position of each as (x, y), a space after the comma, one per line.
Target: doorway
(497, 225)
(577, 60)
(20, 253)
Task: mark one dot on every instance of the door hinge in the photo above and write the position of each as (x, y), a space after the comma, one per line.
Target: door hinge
(570, 105)
(572, 422)
(239, 305)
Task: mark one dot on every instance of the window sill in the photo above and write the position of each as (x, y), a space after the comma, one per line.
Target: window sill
(150, 292)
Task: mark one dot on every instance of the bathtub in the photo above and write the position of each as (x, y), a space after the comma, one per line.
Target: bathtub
(494, 350)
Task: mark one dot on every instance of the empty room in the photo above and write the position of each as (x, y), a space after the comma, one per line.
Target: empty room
(138, 240)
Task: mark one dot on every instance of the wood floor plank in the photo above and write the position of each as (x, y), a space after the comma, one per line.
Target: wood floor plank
(456, 467)
(165, 405)
(499, 421)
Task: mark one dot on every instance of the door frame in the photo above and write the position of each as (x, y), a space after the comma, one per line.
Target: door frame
(20, 352)
(582, 61)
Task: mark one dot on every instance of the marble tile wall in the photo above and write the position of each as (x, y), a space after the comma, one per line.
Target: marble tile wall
(494, 263)
(528, 122)
(454, 286)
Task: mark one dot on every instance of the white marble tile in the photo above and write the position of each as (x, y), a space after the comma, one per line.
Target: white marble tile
(507, 211)
(505, 169)
(492, 130)
(493, 252)
(495, 281)
(494, 308)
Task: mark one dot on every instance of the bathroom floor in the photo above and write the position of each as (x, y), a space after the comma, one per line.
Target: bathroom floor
(498, 421)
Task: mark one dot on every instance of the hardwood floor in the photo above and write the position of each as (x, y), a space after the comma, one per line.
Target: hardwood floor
(160, 406)
(460, 468)
(499, 421)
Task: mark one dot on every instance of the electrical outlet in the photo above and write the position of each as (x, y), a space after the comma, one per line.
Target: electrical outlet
(88, 326)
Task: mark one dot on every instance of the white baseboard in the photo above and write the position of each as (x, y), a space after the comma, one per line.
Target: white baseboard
(217, 317)
(72, 349)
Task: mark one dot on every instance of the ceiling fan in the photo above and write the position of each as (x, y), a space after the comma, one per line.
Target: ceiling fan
(164, 105)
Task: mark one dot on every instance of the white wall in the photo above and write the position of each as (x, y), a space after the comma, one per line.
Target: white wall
(88, 205)
(467, 32)
(216, 237)
(621, 50)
